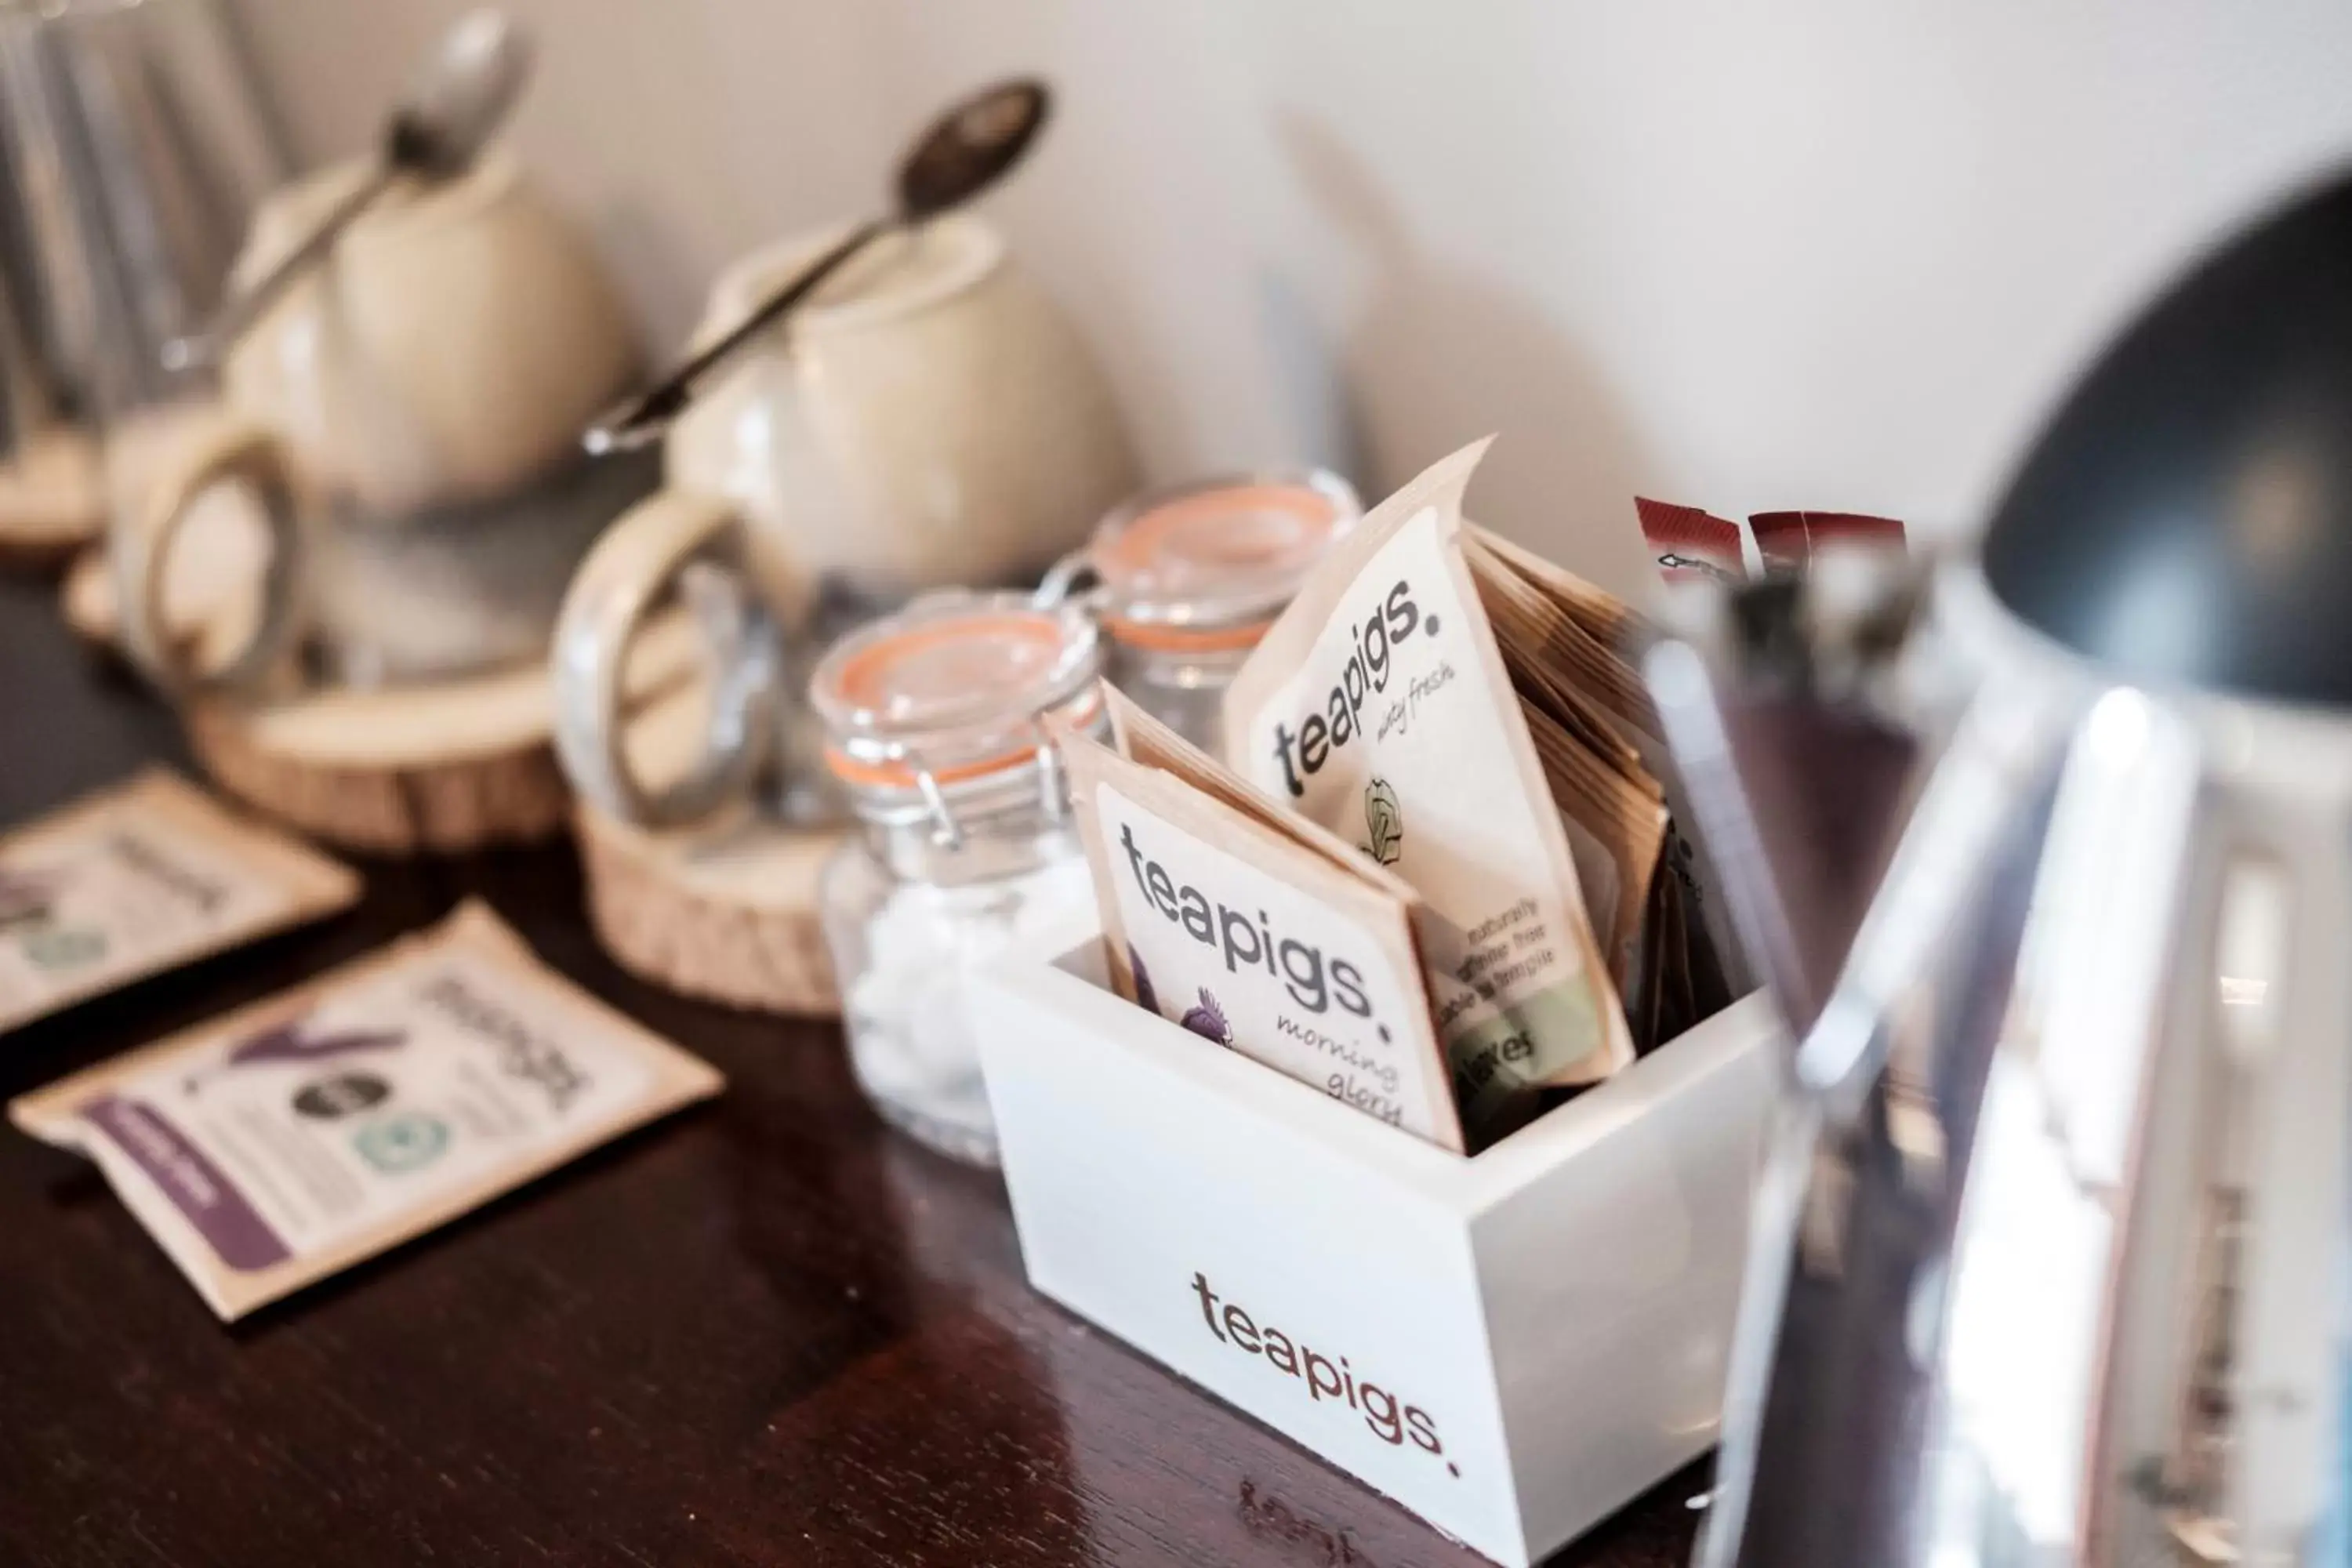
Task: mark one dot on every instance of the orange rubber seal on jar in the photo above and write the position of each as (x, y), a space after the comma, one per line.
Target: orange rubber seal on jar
(1248, 561)
(902, 774)
(1159, 637)
(863, 674)
(1135, 546)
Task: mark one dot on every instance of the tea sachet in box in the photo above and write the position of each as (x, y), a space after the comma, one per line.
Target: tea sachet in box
(1650, 888)
(1257, 930)
(1381, 707)
(268, 1149)
(140, 878)
(1691, 545)
(1442, 748)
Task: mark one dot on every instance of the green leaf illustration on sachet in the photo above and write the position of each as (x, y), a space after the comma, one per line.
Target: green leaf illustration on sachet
(1383, 822)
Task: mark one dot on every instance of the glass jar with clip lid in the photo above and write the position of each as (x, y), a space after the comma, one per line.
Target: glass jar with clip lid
(938, 721)
(1187, 580)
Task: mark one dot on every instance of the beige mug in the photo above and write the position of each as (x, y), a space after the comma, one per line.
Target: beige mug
(448, 351)
(402, 423)
(930, 420)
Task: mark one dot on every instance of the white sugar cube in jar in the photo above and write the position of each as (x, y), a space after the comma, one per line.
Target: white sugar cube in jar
(938, 721)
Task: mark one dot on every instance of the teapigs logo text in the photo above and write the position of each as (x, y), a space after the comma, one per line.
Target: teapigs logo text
(1246, 944)
(1320, 1377)
(1302, 755)
(523, 1051)
(161, 870)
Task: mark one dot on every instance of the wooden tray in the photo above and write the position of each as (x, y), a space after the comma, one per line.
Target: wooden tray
(52, 500)
(415, 769)
(724, 909)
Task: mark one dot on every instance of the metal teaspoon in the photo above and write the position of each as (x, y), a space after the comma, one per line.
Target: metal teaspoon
(456, 105)
(959, 155)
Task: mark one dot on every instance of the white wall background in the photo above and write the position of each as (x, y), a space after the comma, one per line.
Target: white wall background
(1833, 253)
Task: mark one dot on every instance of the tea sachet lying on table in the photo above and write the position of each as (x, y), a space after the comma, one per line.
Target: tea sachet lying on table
(271, 1148)
(139, 878)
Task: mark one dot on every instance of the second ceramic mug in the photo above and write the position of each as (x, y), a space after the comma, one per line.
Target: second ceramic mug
(932, 420)
(404, 421)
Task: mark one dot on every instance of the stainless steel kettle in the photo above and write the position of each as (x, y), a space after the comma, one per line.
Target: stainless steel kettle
(2052, 1261)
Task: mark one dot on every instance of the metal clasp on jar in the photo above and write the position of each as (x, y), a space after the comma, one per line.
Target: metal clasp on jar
(947, 832)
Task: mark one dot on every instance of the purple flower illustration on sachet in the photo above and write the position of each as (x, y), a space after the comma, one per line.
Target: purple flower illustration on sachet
(26, 897)
(1207, 1020)
(1145, 997)
(290, 1042)
(1383, 822)
(287, 1043)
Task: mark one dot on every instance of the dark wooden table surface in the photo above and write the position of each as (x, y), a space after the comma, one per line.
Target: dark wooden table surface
(767, 1331)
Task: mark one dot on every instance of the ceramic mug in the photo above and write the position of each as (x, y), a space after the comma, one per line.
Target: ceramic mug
(448, 351)
(930, 420)
(403, 421)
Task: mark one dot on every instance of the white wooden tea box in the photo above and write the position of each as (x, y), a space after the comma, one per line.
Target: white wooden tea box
(1513, 1345)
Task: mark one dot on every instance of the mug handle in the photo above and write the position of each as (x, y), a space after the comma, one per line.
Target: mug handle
(698, 543)
(238, 449)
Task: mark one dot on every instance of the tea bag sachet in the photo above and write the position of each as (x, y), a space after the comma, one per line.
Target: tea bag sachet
(1549, 616)
(1690, 544)
(1786, 540)
(1612, 805)
(1572, 665)
(1600, 614)
(271, 1148)
(1381, 706)
(139, 878)
(1256, 930)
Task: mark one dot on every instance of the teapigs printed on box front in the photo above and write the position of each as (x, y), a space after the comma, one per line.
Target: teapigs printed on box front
(273, 1147)
(1319, 1376)
(1555, 1307)
(139, 878)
